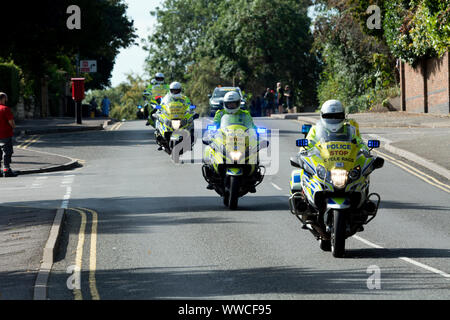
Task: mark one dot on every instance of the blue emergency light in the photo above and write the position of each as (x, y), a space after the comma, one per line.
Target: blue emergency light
(306, 128)
(302, 143)
(373, 144)
(261, 130)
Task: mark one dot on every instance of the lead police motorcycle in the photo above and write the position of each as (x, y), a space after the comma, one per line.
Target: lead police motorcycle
(174, 125)
(330, 188)
(231, 160)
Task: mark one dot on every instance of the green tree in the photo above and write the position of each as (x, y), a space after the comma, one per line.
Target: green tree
(35, 36)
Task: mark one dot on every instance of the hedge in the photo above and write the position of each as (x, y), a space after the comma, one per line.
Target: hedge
(10, 82)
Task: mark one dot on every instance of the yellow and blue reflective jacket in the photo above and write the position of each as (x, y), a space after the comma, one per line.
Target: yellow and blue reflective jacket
(241, 117)
(351, 125)
(157, 90)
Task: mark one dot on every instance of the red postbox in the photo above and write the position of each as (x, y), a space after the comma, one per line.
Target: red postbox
(78, 89)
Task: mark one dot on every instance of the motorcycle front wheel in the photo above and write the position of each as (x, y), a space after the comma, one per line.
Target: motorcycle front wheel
(234, 192)
(338, 234)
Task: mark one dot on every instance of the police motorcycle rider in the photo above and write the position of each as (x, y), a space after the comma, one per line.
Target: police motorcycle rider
(157, 88)
(175, 94)
(334, 121)
(232, 106)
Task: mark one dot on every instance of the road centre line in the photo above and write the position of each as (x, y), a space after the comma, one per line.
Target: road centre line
(408, 260)
(276, 187)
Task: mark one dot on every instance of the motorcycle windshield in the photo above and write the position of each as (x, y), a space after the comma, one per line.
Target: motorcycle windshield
(175, 110)
(159, 91)
(324, 135)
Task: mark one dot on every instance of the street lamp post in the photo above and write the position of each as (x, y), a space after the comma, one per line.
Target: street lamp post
(172, 65)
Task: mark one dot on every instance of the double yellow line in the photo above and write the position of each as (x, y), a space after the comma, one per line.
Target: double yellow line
(116, 126)
(29, 142)
(92, 253)
(414, 171)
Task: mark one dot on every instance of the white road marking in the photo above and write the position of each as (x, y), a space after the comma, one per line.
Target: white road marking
(277, 187)
(66, 198)
(409, 260)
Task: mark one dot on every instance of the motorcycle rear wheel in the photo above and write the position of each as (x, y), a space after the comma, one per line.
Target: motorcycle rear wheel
(338, 234)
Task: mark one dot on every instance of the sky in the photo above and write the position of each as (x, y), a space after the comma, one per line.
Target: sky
(133, 58)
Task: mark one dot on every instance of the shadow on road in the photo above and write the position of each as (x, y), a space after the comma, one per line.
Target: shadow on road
(139, 215)
(96, 139)
(195, 282)
(410, 206)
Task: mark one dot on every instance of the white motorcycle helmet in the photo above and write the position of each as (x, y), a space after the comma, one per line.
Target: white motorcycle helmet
(332, 115)
(159, 78)
(232, 102)
(175, 89)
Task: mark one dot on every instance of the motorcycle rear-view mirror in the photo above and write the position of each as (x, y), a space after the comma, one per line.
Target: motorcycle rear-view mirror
(263, 145)
(295, 163)
(378, 163)
(302, 143)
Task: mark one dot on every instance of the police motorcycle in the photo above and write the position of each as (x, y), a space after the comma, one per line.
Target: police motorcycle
(143, 112)
(330, 188)
(231, 160)
(174, 124)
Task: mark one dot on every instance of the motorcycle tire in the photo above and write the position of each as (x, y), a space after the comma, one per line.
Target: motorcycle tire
(325, 245)
(226, 199)
(234, 193)
(338, 234)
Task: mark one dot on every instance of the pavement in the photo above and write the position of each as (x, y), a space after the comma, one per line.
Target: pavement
(24, 231)
(157, 233)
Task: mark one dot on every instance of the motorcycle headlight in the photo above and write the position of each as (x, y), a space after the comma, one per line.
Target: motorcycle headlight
(235, 155)
(176, 124)
(339, 178)
(321, 172)
(355, 173)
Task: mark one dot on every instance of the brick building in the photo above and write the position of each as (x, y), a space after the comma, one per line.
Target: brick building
(426, 88)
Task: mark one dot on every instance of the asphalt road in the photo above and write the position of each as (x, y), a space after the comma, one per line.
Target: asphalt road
(154, 231)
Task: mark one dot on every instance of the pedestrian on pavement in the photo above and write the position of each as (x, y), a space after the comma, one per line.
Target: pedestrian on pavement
(288, 96)
(7, 126)
(94, 105)
(106, 105)
(281, 98)
(270, 102)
